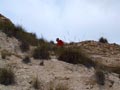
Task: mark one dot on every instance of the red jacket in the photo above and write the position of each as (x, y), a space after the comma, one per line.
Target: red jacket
(60, 43)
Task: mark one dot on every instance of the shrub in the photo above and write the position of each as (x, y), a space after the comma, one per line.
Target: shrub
(4, 54)
(24, 46)
(100, 77)
(103, 40)
(70, 56)
(17, 31)
(26, 60)
(58, 50)
(41, 52)
(52, 42)
(7, 76)
(42, 40)
(36, 84)
(21, 34)
(51, 86)
(7, 27)
(61, 87)
(74, 56)
(71, 43)
(41, 63)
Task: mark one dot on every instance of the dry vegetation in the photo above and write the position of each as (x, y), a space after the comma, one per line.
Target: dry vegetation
(75, 56)
(26, 60)
(5, 53)
(103, 40)
(36, 84)
(41, 52)
(100, 77)
(7, 76)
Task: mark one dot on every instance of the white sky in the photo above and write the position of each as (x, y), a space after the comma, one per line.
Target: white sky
(70, 20)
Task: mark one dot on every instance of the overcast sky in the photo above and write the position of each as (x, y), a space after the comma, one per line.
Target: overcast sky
(70, 20)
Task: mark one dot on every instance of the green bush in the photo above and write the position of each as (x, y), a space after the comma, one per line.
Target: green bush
(100, 77)
(41, 52)
(103, 40)
(7, 76)
(75, 56)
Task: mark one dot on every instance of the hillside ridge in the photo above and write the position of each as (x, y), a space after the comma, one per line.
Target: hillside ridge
(53, 73)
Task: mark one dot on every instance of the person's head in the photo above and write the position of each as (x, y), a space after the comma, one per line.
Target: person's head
(57, 39)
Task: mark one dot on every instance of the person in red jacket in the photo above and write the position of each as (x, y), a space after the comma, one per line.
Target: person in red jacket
(59, 42)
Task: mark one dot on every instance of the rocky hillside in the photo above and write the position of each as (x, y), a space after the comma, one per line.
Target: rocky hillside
(53, 74)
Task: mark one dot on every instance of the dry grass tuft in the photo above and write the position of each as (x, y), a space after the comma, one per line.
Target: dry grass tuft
(7, 76)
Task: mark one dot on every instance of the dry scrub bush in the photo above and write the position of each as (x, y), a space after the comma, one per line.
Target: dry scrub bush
(75, 56)
(7, 76)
